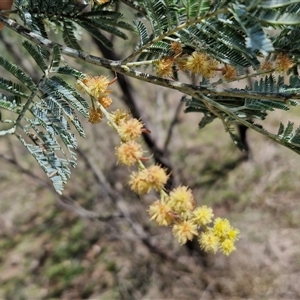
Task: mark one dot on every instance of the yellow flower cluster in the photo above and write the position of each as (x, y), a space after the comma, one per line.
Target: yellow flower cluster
(97, 88)
(197, 63)
(95, 115)
(201, 63)
(282, 64)
(229, 72)
(145, 180)
(221, 236)
(129, 153)
(164, 66)
(178, 207)
(178, 210)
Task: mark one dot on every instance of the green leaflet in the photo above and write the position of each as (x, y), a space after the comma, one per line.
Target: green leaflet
(45, 115)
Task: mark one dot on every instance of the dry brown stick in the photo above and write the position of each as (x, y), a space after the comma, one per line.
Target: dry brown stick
(172, 125)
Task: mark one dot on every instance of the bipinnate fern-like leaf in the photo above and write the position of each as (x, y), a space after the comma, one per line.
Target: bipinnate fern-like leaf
(18, 73)
(289, 137)
(231, 31)
(198, 26)
(47, 115)
(10, 103)
(248, 109)
(37, 54)
(142, 31)
(68, 16)
(69, 34)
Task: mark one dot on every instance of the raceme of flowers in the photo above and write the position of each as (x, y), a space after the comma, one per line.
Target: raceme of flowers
(176, 208)
(197, 63)
(203, 64)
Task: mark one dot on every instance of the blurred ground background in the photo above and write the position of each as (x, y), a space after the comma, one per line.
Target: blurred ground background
(106, 248)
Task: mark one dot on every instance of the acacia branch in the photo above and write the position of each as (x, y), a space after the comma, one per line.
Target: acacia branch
(119, 67)
(173, 31)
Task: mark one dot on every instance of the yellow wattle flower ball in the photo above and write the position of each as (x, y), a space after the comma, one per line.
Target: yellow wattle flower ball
(138, 183)
(227, 246)
(176, 47)
(97, 85)
(129, 153)
(130, 129)
(184, 231)
(105, 101)
(164, 66)
(283, 63)
(229, 72)
(181, 200)
(201, 63)
(221, 227)
(202, 215)
(118, 116)
(154, 177)
(266, 66)
(161, 213)
(95, 115)
(233, 234)
(208, 241)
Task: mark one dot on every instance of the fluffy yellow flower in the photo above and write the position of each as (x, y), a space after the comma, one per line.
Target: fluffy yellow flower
(266, 66)
(229, 72)
(181, 62)
(128, 153)
(184, 231)
(160, 212)
(181, 200)
(97, 85)
(283, 63)
(227, 246)
(233, 234)
(95, 115)
(201, 63)
(208, 241)
(154, 177)
(130, 129)
(164, 66)
(119, 116)
(202, 215)
(105, 101)
(176, 47)
(221, 227)
(138, 183)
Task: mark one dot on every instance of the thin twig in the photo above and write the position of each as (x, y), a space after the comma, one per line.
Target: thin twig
(172, 125)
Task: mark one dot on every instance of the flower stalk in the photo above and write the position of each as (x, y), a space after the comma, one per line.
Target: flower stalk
(176, 208)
